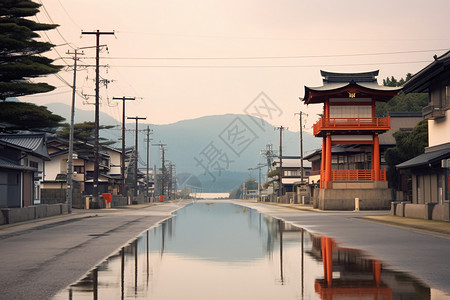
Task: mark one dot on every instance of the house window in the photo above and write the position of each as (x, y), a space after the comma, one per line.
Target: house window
(34, 164)
(79, 169)
(292, 173)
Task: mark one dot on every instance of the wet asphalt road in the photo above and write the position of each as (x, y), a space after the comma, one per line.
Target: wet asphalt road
(423, 255)
(37, 259)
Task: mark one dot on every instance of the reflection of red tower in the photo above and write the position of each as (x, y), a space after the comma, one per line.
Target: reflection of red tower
(349, 118)
(328, 287)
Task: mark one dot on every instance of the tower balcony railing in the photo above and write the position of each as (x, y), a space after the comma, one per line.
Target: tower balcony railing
(352, 124)
(355, 175)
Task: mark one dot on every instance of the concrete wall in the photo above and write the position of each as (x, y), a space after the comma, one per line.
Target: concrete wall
(427, 211)
(118, 200)
(53, 196)
(358, 185)
(14, 215)
(441, 211)
(419, 211)
(139, 199)
(344, 199)
(287, 198)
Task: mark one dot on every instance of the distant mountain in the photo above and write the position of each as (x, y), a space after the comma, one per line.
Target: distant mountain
(218, 150)
(80, 115)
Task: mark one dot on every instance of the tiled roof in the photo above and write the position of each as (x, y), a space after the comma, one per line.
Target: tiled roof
(422, 79)
(6, 164)
(35, 143)
(348, 77)
(340, 82)
(425, 159)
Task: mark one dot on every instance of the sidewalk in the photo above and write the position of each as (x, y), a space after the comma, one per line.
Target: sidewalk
(429, 226)
(77, 214)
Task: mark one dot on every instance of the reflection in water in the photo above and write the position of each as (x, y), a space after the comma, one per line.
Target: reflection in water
(224, 251)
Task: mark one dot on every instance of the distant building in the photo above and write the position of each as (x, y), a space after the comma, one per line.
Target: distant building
(291, 177)
(55, 176)
(349, 123)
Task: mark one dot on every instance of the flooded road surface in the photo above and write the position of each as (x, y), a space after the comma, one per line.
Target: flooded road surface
(213, 250)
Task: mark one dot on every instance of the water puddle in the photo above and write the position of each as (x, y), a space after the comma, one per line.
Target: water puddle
(224, 251)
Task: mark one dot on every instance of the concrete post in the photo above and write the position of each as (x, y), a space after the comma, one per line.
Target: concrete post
(356, 204)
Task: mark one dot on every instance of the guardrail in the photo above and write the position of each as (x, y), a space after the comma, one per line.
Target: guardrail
(383, 123)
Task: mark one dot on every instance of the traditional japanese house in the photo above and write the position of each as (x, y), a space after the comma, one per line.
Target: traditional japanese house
(22, 162)
(349, 119)
(430, 170)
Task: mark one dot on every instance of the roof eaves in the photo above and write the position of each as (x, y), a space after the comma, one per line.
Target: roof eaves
(425, 159)
(419, 82)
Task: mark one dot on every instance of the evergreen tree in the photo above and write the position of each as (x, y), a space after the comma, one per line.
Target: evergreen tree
(20, 52)
(408, 145)
(28, 116)
(84, 132)
(412, 102)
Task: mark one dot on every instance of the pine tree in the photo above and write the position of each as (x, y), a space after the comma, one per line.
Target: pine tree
(84, 136)
(27, 116)
(411, 102)
(20, 52)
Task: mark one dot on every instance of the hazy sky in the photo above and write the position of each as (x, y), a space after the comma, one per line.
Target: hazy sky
(186, 59)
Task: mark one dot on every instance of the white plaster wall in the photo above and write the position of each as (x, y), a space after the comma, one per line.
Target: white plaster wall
(53, 167)
(439, 130)
(114, 162)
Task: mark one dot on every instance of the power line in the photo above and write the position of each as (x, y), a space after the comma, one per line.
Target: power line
(68, 15)
(53, 22)
(268, 66)
(274, 57)
(279, 38)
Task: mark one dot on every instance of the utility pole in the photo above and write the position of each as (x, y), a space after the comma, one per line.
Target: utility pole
(268, 154)
(148, 161)
(122, 156)
(136, 153)
(280, 176)
(72, 116)
(169, 182)
(97, 105)
(301, 144)
(162, 168)
(258, 167)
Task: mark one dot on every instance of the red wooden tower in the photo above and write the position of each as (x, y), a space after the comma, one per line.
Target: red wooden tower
(349, 119)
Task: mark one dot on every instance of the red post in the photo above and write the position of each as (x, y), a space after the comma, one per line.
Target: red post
(376, 266)
(376, 157)
(328, 178)
(327, 259)
(322, 164)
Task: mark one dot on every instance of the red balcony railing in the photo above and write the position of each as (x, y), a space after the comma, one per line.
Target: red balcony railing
(349, 124)
(355, 175)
